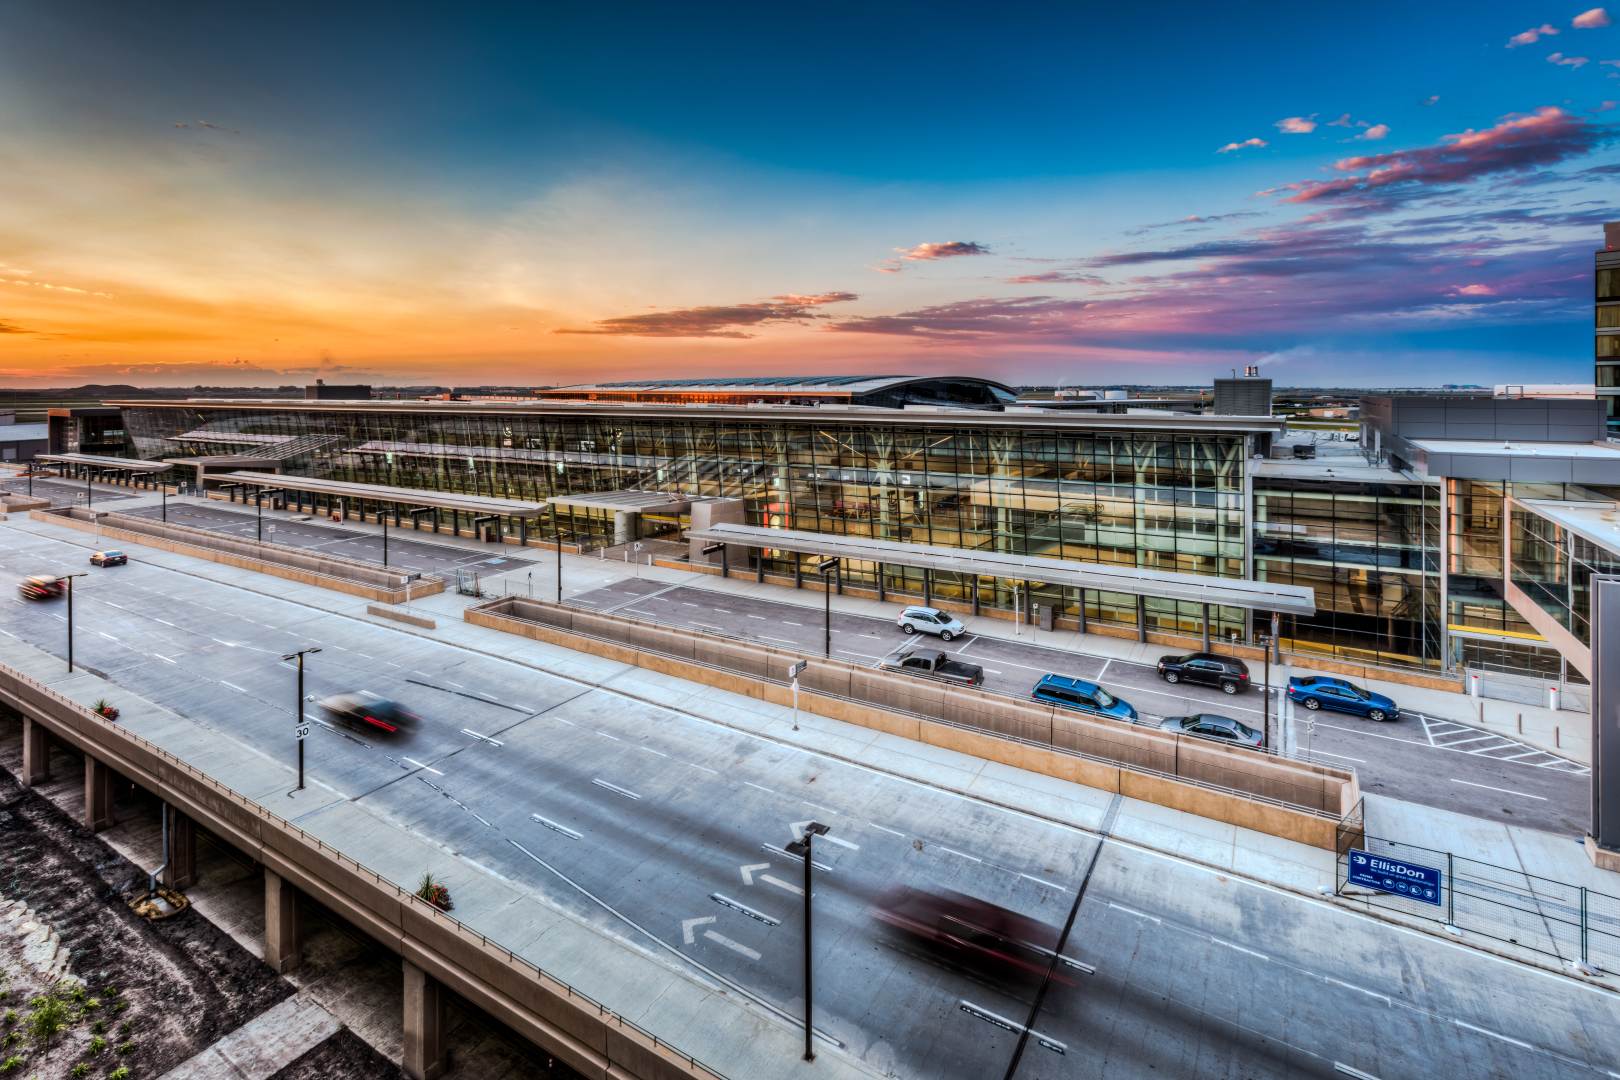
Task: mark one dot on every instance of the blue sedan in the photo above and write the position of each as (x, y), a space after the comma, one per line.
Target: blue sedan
(1082, 696)
(1340, 695)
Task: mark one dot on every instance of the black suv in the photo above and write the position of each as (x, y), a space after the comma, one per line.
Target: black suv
(1207, 668)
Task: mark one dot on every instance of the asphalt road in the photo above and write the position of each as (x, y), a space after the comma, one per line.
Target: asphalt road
(665, 831)
(1421, 759)
(65, 492)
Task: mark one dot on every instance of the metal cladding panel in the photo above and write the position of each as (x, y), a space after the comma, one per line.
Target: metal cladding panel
(1587, 471)
(1540, 470)
(1606, 713)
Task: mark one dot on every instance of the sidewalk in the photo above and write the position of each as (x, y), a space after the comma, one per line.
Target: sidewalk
(1293, 867)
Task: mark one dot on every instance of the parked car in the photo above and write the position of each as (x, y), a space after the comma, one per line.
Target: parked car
(1082, 696)
(1207, 669)
(935, 664)
(927, 620)
(109, 558)
(1211, 726)
(40, 587)
(1340, 695)
(369, 711)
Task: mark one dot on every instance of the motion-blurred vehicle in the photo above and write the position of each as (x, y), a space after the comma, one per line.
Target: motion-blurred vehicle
(935, 664)
(1213, 726)
(974, 935)
(40, 587)
(367, 711)
(1341, 695)
(1201, 667)
(1082, 696)
(109, 557)
(929, 620)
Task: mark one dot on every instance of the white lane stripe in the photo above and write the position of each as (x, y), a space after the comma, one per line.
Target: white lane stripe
(605, 735)
(1235, 947)
(650, 750)
(1460, 742)
(419, 765)
(704, 768)
(735, 946)
(616, 789)
(1133, 911)
(1043, 881)
(780, 884)
(942, 847)
(1342, 757)
(885, 828)
(108, 636)
(165, 659)
(554, 827)
(750, 783)
(1494, 1034)
(1503, 790)
(1358, 989)
(233, 686)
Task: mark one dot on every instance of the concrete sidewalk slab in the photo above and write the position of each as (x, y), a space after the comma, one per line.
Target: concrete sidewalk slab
(264, 1045)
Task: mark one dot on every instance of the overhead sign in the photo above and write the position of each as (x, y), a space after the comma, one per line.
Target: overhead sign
(1411, 880)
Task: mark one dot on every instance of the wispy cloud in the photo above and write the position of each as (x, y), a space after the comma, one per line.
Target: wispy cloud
(1532, 35)
(1568, 61)
(1057, 277)
(1231, 146)
(12, 328)
(1297, 125)
(1591, 19)
(717, 322)
(931, 252)
(1432, 99)
(983, 317)
(1194, 221)
(1374, 133)
(1517, 143)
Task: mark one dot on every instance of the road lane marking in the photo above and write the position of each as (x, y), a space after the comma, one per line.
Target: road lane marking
(963, 854)
(233, 686)
(750, 783)
(554, 827)
(108, 636)
(735, 946)
(1494, 1035)
(1043, 881)
(165, 659)
(650, 750)
(780, 884)
(1138, 914)
(736, 905)
(885, 828)
(1358, 989)
(1460, 742)
(1503, 790)
(784, 853)
(797, 829)
(747, 871)
(761, 618)
(1235, 947)
(704, 768)
(790, 622)
(605, 735)
(419, 765)
(616, 789)
(1014, 1026)
(1341, 757)
(1353, 1073)
(481, 738)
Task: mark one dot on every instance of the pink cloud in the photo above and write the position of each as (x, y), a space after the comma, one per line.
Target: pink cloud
(1432, 99)
(717, 322)
(1474, 290)
(1231, 146)
(1567, 61)
(1532, 35)
(1517, 143)
(1374, 133)
(1297, 125)
(949, 249)
(1607, 105)
(1590, 20)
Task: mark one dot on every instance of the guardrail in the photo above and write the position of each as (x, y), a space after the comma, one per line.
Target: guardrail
(84, 719)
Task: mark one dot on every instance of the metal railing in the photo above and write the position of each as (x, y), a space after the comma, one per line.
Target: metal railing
(403, 895)
(1573, 923)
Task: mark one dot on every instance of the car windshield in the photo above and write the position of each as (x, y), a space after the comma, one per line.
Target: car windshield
(1105, 699)
(1356, 691)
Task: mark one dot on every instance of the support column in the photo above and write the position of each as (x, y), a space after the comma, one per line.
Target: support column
(928, 587)
(180, 870)
(36, 753)
(1141, 618)
(1206, 628)
(98, 796)
(281, 926)
(1082, 611)
(422, 1057)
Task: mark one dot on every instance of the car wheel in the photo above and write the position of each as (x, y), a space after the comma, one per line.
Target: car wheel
(1171, 677)
(908, 628)
(1312, 704)
(1377, 714)
(946, 635)
(1228, 687)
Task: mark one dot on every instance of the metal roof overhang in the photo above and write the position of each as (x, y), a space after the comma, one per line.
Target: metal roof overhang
(443, 500)
(101, 462)
(641, 502)
(1162, 584)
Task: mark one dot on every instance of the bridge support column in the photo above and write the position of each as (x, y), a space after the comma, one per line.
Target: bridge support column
(36, 753)
(180, 869)
(423, 1054)
(98, 796)
(281, 926)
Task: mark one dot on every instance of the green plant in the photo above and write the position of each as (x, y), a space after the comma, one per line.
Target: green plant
(80, 1069)
(98, 1027)
(125, 1028)
(109, 991)
(11, 1064)
(48, 1018)
(97, 1044)
(126, 1048)
(9, 1018)
(434, 892)
(120, 1005)
(91, 1004)
(120, 1073)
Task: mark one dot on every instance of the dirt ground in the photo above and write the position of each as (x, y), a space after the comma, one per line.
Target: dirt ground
(161, 991)
(342, 1054)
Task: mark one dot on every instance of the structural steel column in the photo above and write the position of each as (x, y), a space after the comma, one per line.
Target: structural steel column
(928, 587)
(98, 797)
(281, 926)
(1206, 628)
(36, 753)
(1603, 844)
(1141, 618)
(423, 1055)
(180, 861)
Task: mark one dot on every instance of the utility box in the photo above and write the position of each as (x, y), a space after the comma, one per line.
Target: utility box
(1044, 616)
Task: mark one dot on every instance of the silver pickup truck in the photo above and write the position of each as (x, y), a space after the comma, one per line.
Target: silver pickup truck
(935, 664)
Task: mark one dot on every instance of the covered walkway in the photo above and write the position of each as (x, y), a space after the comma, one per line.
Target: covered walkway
(105, 469)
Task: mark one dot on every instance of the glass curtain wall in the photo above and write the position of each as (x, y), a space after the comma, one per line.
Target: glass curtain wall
(1555, 568)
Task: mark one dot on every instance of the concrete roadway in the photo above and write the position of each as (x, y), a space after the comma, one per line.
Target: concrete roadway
(664, 830)
(65, 492)
(1420, 759)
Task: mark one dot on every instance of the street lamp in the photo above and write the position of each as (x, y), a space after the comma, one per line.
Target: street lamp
(69, 579)
(258, 504)
(802, 847)
(825, 568)
(556, 521)
(302, 729)
(164, 491)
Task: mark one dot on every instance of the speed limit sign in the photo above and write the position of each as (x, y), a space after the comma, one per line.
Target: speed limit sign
(303, 731)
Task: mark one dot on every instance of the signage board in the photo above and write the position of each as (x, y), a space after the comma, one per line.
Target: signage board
(1424, 884)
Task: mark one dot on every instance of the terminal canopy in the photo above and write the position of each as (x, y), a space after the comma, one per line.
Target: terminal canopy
(99, 461)
(344, 489)
(1163, 584)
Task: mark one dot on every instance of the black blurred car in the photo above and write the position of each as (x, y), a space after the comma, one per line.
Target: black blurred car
(40, 587)
(1211, 726)
(1206, 668)
(369, 712)
(970, 934)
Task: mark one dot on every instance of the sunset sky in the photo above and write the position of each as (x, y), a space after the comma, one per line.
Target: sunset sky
(1101, 193)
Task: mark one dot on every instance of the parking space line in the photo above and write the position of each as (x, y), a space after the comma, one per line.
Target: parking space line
(1503, 790)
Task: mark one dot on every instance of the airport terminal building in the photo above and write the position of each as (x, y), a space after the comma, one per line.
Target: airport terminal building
(1397, 528)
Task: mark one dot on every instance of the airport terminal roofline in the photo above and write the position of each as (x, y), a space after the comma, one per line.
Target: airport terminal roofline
(1160, 584)
(798, 384)
(443, 500)
(101, 461)
(823, 414)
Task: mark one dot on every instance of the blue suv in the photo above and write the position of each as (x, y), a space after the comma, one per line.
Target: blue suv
(1081, 696)
(1340, 695)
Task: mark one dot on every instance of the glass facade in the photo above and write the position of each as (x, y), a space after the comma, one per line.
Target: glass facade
(1555, 568)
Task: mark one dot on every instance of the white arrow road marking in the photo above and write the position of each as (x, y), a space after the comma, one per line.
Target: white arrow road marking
(687, 925)
(748, 871)
(734, 946)
(798, 834)
(780, 884)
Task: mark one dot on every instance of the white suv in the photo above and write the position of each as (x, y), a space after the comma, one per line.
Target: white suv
(931, 621)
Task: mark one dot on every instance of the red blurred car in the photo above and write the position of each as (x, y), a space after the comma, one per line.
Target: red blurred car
(40, 587)
(969, 933)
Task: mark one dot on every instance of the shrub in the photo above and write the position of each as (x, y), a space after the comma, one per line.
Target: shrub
(97, 1045)
(434, 892)
(120, 1073)
(9, 1018)
(125, 1028)
(48, 1018)
(126, 1048)
(11, 1064)
(98, 1027)
(81, 1069)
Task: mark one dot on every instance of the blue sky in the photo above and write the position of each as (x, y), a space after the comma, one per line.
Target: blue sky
(537, 194)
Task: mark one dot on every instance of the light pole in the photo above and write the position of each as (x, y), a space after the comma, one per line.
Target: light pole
(382, 516)
(825, 568)
(301, 729)
(69, 579)
(164, 491)
(556, 521)
(802, 847)
(258, 504)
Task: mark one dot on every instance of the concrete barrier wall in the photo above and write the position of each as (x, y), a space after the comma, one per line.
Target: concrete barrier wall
(1234, 785)
(580, 1031)
(385, 586)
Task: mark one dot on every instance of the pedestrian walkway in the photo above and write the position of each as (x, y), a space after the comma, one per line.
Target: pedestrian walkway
(264, 1045)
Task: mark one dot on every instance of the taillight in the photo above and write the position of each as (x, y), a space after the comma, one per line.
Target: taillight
(372, 720)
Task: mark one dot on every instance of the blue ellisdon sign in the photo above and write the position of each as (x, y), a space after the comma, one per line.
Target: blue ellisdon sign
(1421, 883)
